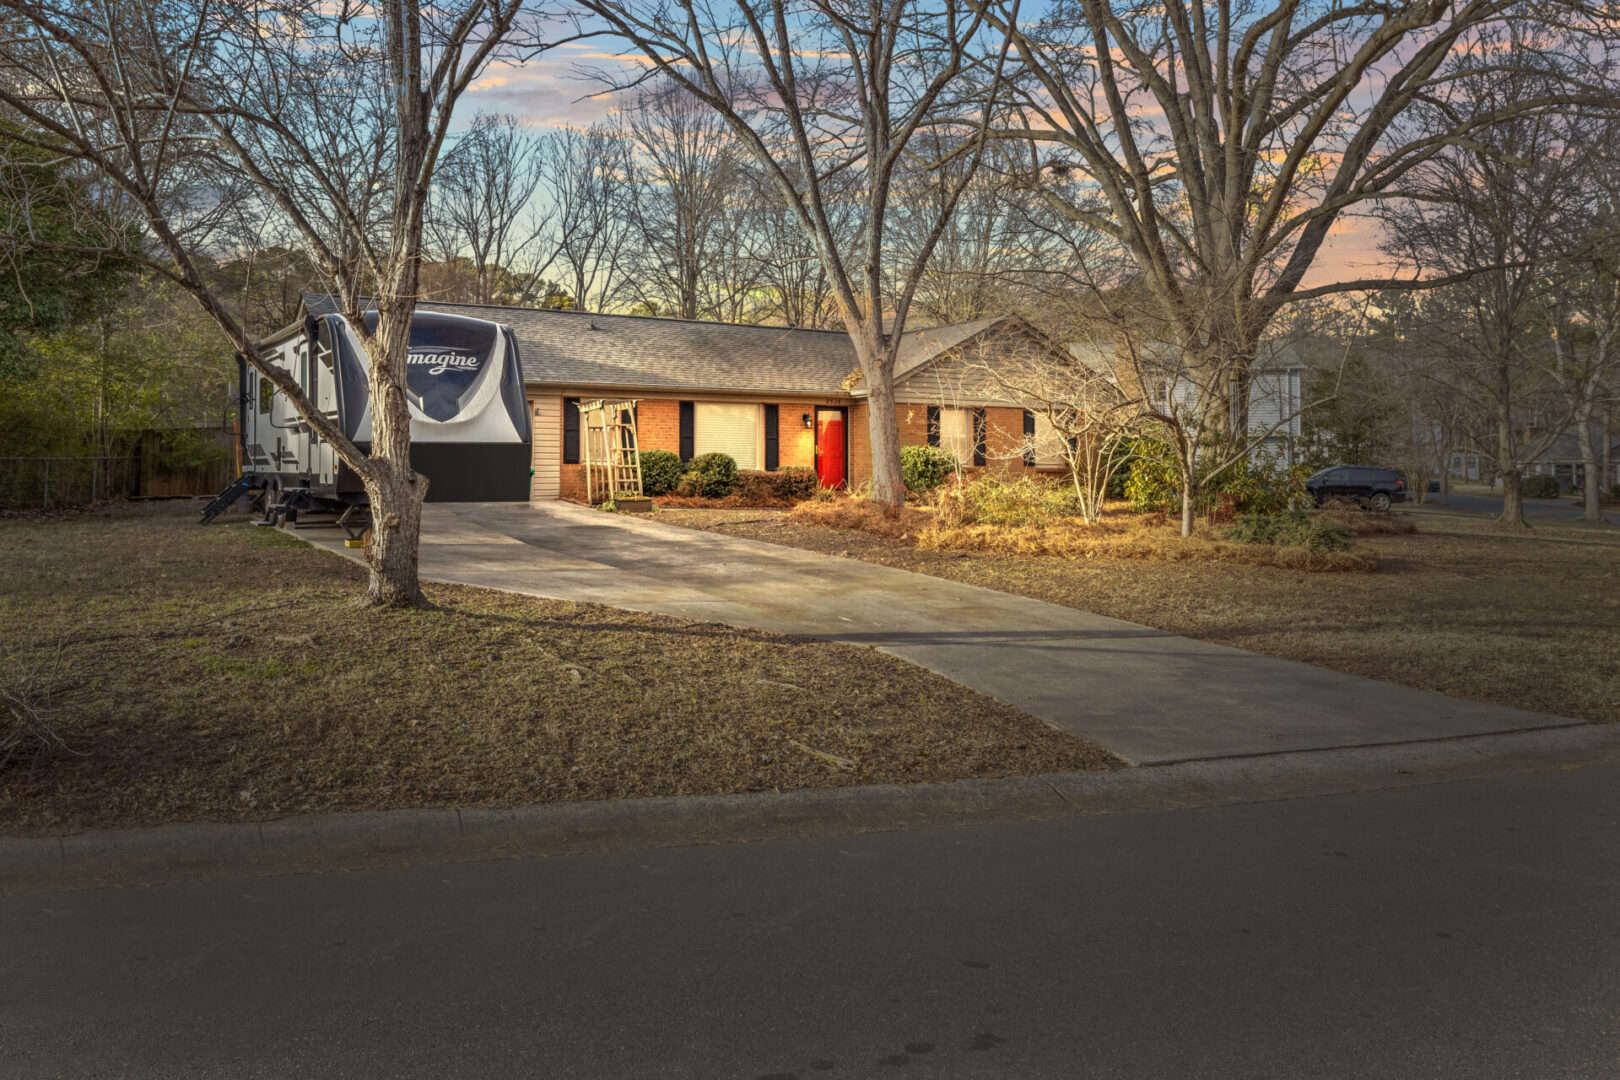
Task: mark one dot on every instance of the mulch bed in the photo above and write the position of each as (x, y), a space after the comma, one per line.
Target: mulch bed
(224, 673)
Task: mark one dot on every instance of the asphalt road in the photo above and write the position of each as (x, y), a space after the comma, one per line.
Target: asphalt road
(1491, 505)
(1468, 929)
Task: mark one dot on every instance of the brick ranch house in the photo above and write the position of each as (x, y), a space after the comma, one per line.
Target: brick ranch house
(771, 397)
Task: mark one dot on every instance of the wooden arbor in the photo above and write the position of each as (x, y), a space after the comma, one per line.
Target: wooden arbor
(610, 450)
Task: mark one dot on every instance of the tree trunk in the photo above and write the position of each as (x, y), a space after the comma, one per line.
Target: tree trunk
(395, 490)
(888, 485)
(1512, 499)
(1591, 486)
(1507, 463)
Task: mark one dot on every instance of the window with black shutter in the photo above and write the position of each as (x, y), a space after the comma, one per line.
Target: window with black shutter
(687, 427)
(933, 425)
(980, 434)
(570, 431)
(772, 441)
(1029, 438)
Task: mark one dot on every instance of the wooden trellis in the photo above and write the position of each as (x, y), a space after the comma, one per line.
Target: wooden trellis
(610, 450)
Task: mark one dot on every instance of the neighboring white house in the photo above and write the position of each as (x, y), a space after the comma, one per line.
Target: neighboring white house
(1275, 396)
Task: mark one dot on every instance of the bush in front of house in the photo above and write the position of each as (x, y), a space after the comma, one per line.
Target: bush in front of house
(1291, 528)
(783, 487)
(660, 472)
(1024, 501)
(1539, 487)
(924, 468)
(1152, 480)
(711, 476)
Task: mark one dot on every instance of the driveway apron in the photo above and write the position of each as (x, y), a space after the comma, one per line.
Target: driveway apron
(1151, 697)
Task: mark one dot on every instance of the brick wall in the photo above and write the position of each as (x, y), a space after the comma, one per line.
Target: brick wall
(658, 423)
(1004, 436)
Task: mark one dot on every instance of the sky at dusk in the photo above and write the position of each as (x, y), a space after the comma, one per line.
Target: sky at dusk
(558, 90)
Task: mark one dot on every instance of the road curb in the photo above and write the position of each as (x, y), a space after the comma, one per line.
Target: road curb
(361, 840)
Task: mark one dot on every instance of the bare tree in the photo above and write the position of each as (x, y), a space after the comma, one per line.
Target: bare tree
(483, 209)
(1494, 214)
(586, 178)
(822, 88)
(1219, 144)
(1084, 413)
(687, 206)
(791, 273)
(1584, 312)
(331, 119)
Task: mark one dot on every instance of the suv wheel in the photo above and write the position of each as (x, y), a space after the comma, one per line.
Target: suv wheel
(1380, 501)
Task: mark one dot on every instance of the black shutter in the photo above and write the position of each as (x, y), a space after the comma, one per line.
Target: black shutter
(624, 432)
(980, 432)
(771, 438)
(1029, 437)
(933, 425)
(686, 431)
(570, 431)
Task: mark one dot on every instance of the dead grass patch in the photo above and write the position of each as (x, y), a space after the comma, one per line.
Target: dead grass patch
(862, 515)
(1120, 536)
(223, 673)
(1133, 541)
(1366, 522)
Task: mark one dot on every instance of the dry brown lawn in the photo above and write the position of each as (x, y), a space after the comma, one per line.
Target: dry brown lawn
(223, 673)
(1459, 607)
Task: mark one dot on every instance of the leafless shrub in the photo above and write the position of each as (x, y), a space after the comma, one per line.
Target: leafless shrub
(31, 692)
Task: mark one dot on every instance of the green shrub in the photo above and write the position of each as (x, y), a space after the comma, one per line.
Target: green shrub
(1539, 487)
(716, 473)
(1291, 528)
(1260, 487)
(660, 472)
(924, 468)
(1152, 481)
(1024, 500)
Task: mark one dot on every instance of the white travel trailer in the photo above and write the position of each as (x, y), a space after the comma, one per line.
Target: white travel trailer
(464, 383)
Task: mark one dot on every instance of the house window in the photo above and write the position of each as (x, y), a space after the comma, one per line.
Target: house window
(267, 392)
(570, 447)
(735, 430)
(1048, 443)
(956, 433)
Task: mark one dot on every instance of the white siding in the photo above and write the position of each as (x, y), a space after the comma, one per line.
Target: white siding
(545, 418)
(737, 430)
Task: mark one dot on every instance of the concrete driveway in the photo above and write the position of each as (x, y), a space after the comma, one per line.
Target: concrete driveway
(1149, 696)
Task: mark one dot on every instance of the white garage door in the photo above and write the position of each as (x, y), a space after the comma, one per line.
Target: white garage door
(727, 429)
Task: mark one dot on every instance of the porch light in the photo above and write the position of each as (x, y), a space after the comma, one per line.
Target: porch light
(807, 422)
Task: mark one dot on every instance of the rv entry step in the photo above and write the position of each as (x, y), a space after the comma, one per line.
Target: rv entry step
(221, 502)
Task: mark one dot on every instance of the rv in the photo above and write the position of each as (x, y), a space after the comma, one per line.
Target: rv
(464, 385)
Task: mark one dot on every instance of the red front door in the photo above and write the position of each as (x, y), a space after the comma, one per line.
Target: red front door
(830, 448)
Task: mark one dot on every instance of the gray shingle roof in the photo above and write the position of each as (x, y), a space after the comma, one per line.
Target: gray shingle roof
(576, 349)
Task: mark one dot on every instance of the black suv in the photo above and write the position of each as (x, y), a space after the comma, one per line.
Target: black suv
(1376, 488)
